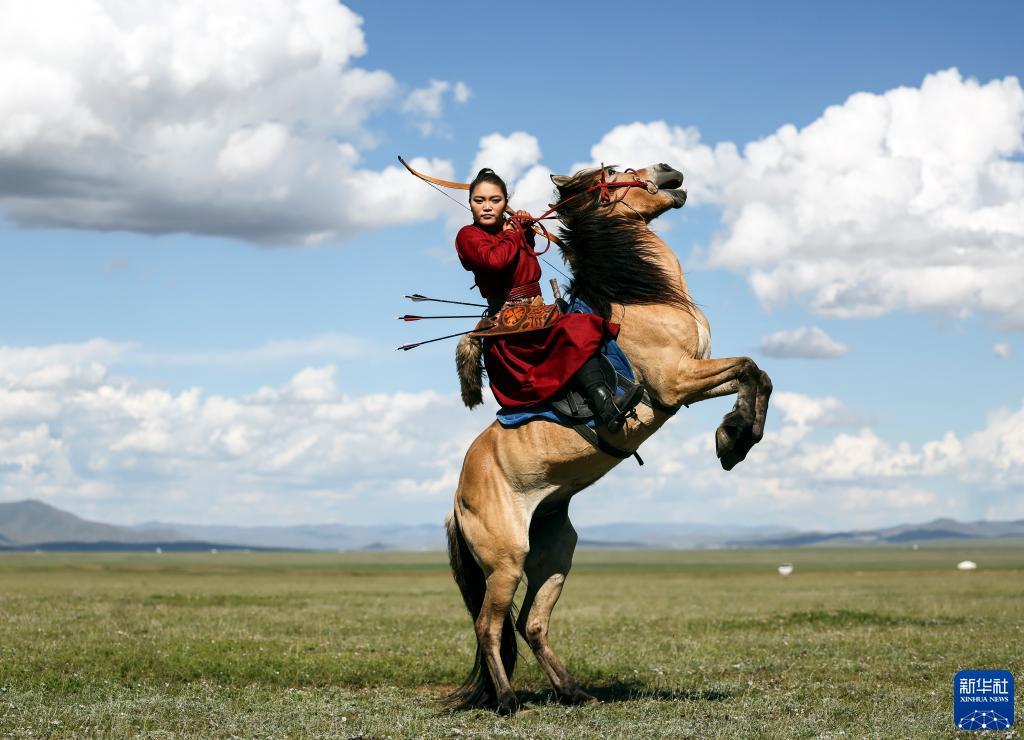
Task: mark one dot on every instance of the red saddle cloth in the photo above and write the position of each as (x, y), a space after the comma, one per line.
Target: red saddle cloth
(527, 368)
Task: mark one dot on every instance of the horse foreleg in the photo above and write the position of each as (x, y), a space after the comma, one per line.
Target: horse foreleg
(741, 428)
(764, 392)
(552, 543)
(727, 388)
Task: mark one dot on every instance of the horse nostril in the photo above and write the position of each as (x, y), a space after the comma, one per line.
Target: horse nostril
(664, 167)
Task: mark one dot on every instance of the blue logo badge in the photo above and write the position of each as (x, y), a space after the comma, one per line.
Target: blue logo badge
(983, 700)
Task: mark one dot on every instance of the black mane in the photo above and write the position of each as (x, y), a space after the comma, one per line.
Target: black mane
(613, 258)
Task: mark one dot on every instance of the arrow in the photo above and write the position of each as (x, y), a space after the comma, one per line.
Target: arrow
(408, 317)
(419, 298)
(407, 347)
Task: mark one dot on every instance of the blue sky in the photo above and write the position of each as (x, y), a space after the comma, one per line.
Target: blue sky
(241, 309)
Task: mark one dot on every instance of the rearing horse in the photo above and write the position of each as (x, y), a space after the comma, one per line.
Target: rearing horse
(511, 513)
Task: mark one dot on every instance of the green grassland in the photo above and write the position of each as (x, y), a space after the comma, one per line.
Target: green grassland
(857, 642)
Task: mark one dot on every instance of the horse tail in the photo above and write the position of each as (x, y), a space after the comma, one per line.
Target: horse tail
(468, 356)
(478, 688)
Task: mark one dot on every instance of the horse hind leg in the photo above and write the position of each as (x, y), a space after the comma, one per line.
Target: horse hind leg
(552, 543)
(487, 562)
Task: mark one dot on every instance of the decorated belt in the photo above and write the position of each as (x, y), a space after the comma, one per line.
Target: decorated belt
(520, 293)
(530, 290)
(523, 310)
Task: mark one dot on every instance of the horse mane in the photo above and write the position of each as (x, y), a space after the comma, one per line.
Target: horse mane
(613, 258)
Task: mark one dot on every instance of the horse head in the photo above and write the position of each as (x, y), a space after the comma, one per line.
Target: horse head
(605, 239)
(663, 191)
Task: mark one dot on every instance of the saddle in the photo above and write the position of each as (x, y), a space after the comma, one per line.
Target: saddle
(571, 409)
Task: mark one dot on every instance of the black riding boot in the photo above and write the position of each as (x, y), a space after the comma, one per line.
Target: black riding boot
(608, 409)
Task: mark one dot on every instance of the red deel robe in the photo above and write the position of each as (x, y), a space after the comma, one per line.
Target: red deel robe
(526, 369)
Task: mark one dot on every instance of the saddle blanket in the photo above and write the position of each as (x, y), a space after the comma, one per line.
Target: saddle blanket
(609, 349)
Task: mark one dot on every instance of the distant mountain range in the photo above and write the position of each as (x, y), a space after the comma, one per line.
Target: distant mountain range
(939, 529)
(432, 537)
(30, 522)
(30, 525)
(33, 525)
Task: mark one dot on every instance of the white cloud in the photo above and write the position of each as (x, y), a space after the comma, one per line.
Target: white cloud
(913, 198)
(241, 118)
(427, 101)
(805, 475)
(534, 192)
(640, 144)
(426, 104)
(461, 92)
(58, 360)
(331, 345)
(516, 159)
(1001, 349)
(810, 342)
(251, 151)
(115, 448)
(509, 156)
(802, 411)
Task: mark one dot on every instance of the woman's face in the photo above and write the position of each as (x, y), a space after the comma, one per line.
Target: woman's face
(487, 204)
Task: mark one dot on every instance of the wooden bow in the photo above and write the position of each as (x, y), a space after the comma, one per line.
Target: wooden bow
(436, 181)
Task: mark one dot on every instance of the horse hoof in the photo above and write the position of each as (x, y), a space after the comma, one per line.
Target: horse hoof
(506, 706)
(727, 447)
(577, 697)
(729, 460)
(725, 440)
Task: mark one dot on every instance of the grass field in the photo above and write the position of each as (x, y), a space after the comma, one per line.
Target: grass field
(856, 643)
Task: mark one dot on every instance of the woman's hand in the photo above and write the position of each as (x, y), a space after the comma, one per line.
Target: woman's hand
(524, 218)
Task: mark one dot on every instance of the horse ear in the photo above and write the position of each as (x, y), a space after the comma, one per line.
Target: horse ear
(560, 181)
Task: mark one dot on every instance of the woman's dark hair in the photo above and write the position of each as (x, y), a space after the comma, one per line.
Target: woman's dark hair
(488, 175)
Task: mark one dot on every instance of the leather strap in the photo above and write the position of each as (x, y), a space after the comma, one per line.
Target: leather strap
(604, 445)
(664, 408)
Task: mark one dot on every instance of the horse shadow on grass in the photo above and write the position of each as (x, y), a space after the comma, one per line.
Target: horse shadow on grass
(623, 691)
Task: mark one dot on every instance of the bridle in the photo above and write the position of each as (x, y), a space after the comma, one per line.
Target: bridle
(604, 199)
(650, 186)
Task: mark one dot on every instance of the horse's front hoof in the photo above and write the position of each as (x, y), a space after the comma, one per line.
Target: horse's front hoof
(507, 705)
(729, 460)
(723, 440)
(727, 446)
(577, 697)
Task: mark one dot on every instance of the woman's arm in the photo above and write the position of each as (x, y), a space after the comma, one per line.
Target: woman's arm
(479, 250)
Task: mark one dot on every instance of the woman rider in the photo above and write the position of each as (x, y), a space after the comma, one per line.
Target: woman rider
(530, 368)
